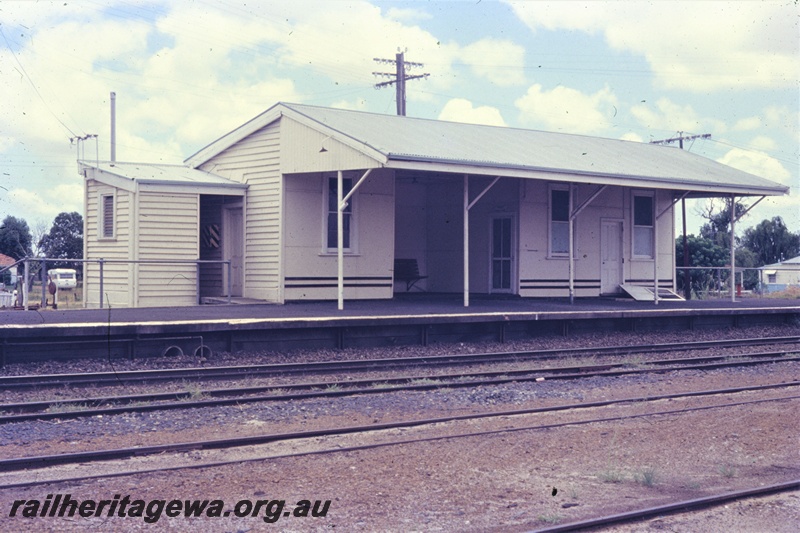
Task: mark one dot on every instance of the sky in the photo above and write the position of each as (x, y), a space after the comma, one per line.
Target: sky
(187, 72)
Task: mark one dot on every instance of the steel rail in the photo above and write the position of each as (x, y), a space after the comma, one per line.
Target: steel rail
(199, 373)
(671, 508)
(43, 461)
(220, 397)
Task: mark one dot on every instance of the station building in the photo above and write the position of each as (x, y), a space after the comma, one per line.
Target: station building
(472, 209)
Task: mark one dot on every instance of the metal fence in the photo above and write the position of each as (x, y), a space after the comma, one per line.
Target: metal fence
(715, 282)
(44, 277)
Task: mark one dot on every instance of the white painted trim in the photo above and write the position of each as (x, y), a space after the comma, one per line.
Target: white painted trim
(102, 193)
(646, 193)
(550, 188)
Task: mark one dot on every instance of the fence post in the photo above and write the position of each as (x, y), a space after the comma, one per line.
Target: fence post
(100, 263)
(43, 275)
(26, 272)
(197, 281)
(230, 280)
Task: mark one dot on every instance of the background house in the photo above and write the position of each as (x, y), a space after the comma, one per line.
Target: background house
(480, 209)
(780, 276)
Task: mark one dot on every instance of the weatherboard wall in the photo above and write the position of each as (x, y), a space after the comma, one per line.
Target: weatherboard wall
(311, 268)
(256, 161)
(168, 230)
(116, 276)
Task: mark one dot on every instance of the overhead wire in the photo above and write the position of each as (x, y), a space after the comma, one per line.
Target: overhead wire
(35, 89)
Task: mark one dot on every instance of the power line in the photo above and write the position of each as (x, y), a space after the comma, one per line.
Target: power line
(400, 78)
(36, 90)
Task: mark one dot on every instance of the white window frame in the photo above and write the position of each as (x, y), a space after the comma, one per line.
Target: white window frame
(326, 212)
(634, 226)
(557, 187)
(101, 215)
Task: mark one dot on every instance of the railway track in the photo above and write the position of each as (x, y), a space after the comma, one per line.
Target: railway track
(676, 507)
(97, 456)
(87, 407)
(38, 382)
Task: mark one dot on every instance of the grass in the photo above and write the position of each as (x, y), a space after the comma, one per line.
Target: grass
(634, 361)
(425, 381)
(66, 408)
(647, 477)
(612, 475)
(726, 470)
(550, 518)
(195, 393)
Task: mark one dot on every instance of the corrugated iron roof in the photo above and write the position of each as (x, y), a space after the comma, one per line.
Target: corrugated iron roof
(407, 139)
(148, 173)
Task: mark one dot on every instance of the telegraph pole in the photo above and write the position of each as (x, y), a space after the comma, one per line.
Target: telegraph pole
(400, 78)
(687, 289)
(680, 138)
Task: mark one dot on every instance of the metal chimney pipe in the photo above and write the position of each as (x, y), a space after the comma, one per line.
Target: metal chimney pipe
(113, 127)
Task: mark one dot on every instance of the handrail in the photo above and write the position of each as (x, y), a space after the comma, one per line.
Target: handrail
(101, 261)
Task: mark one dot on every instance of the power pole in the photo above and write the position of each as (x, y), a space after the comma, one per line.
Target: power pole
(680, 138)
(687, 289)
(400, 78)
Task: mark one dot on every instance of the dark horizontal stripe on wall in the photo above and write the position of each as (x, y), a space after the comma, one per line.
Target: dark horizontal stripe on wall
(334, 278)
(668, 280)
(334, 285)
(565, 280)
(547, 287)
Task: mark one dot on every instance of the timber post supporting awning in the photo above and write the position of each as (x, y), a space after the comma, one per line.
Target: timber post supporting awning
(572, 216)
(341, 205)
(467, 206)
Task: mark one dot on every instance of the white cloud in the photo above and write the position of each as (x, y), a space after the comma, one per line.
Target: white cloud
(716, 45)
(407, 15)
(499, 61)
(748, 124)
(44, 203)
(667, 115)
(764, 143)
(757, 163)
(566, 109)
(461, 110)
(631, 136)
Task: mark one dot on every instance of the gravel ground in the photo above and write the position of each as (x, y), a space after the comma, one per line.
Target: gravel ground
(499, 482)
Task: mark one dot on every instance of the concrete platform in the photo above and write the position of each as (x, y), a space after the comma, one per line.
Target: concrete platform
(407, 319)
(403, 305)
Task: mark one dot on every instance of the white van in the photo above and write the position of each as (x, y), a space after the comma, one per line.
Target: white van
(64, 278)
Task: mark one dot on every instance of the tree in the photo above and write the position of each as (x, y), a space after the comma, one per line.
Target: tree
(38, 230)
(15, 238)
(703, 252)
(771, 241)
(718, 227)
(65, 239)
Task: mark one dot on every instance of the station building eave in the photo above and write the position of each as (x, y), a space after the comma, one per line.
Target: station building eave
(696, 188)
(159, 178)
